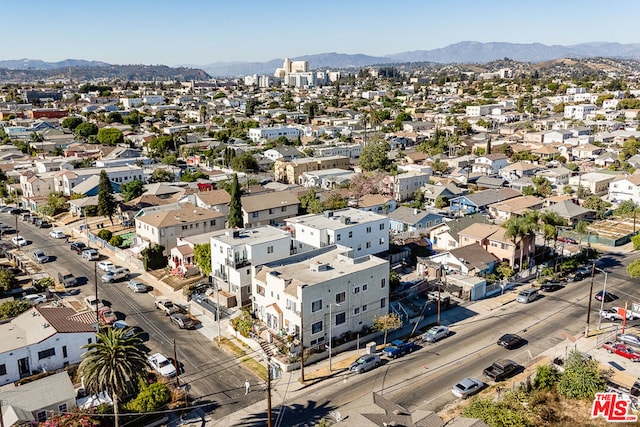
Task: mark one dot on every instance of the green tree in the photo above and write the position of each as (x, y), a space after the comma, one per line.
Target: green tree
(441, 202)
(86, 129)
(581, 378)
(504, 270)
(131, 190)
(202, 257)
(633, 269)
(170, 159)
(235, 206)
(162, 175)
(245, 162)
(597, 204)
(386, 323)
(335, 201)
(105, 234)
(106, 201)
(160, 146)
(114, 117)
(151, 397)
(116, 241)
(7, 279)
(418, 200)
(439, 167)
(310, 203)
(625, 209)
(56, 202)
(110, 136)
(547, 376)
(374, 155)
(113, 363)
(9, 309)
(71, 122)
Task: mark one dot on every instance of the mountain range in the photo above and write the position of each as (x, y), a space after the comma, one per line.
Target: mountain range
(463, 52)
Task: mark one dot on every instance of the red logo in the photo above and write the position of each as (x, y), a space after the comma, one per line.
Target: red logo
(612, 407)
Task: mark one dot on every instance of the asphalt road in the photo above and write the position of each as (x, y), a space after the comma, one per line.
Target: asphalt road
(210, 374)
(423, 379)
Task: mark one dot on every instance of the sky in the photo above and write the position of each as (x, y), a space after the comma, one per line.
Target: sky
(192, 32)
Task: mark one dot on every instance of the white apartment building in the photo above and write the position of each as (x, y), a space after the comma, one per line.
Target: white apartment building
(597, 183)
(131, 102)
(367, 233)
(347, 150)
(404, 185)
(265, 134)
(233, 252)
(579, 112)
(624, 188)
(480, 110)
(33, 185)
(65, 181)
(325, 292)
(43, 339)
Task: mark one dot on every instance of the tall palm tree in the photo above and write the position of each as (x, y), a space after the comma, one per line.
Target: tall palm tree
(551, 221)
(113, 363)
(514, 227)
(581, 229)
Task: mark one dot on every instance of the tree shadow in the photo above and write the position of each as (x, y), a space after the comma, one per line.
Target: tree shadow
(290, 415)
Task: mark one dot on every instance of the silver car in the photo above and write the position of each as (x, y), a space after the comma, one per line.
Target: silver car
(365, 363)
(629, 339)
(436, 333)
(40, 257)
(467, 387)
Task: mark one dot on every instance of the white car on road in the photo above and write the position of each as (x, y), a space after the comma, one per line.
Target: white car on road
(36, 298)
(19, 241)
(57, 234)
(106, 265)
(162, 365)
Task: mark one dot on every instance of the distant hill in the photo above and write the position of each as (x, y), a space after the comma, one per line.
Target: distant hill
(36, 64)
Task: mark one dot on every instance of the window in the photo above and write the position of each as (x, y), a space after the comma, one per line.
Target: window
(383, 282)
(350, 234)
(46, 353)
(359, 247)
(356, 311)
(338, 236)
(184, 227)
(381, 242)
(383, 302)
(365, 287)
(41, 416)
(64, 351)
(283, 209)
(316, 327)
(341, 318)
(62, 407)
(381, 226)
(340, 297)
(213, 222)
(269, 249)
(368, 229)
(254, 214)
(364, 308)
(356, 290)
(270, 211)
(368, 245)
(3, 369)
(316, 305)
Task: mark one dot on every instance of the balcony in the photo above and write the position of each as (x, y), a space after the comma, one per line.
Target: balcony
(237, 263)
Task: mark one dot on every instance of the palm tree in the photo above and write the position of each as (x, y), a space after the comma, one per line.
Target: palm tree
(551, 221)
(113, 363)
(581, 229)
(514, 227)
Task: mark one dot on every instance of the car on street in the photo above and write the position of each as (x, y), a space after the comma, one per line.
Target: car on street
(90, 254)
(615, 313)
(78, 247)
(107, 316)
(106, 266)
(398, 348)
(606, 296)
(365, 363)
(550, 287)
(93, 303)
(19, 241)
(527, 295)
(622, 350)
(629, 339)
(40, 257)
(121, 324)
(162, 365)
(567, 240)
(116, 274)
(137, 287)
(40, 223)
(467, 387)
(57, 234)
(67, 279)
(436, 333)
(35, 298)
(501, 369)
(182, 320)
(166, 306)
(510, 341)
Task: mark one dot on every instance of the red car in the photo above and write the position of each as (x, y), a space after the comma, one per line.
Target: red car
(622, 350)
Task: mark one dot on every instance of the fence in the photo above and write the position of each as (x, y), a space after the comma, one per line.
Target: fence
(119, 253)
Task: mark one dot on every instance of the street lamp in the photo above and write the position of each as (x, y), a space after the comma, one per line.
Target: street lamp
(604, 293)
(330, 332)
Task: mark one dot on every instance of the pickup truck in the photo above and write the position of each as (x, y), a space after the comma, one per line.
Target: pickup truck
(501, 369)
(622, 350)
(398, 348)
(166, 306)
(615, 313)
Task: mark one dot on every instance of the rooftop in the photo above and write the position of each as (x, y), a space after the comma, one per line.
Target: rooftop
(335, 220)
(251, 236)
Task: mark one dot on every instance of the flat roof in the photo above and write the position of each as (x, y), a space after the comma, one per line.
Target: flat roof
(250, 236)
(334, 222)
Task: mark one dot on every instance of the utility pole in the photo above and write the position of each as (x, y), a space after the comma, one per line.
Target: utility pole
(1, 419)
(593, 275)
(301, 342)
(95, 282)
(268, 391)
(175, 363)
(438, 302)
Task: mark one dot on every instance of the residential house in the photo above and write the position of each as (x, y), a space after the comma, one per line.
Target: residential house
(215, 200)
(446, 192)
(470, 260)
(485, 182)
(290, 171)
(329, 291)
(233, 252)
(586, 151)
(444, 236)
(625, 187)
(492, 238)
(558, 177)
(163, 227)
(597, 183)
(327, 178)
(489, 164)
(264, 134)
(284, 152)
(33, 402)
(556, 136)
(518, 170)
(572, 212)
(518, 206)
(481, 200)
(546, 152)
(377, 203)
(403, 186)
(66, 181)
(269, 208)
(406, 219)
(43, 339)
(364, 232)
(162, 190)
(91, 186)
(607, 159)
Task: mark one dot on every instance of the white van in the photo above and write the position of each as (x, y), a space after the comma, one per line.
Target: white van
(527, 295)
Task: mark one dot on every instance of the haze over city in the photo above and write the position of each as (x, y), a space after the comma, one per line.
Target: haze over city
(193, 32)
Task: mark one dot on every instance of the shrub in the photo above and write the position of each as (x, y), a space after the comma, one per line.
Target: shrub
(546, 377)
(115, 241)
(43, 284)
(150, 398)
(243, 323)
(105, 235)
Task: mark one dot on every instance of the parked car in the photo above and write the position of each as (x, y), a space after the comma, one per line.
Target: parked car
(57, 234)
(550, 287)
(606, 296)
(116, 274)
(510, 341)
(67, 279)
(40, 257)
(182, 320)
(15, 211)
(622, 350)
(398, 348)
(365, 363)
(162, 365)
(527, 295)
(501, 369)
(121, 324)
(567, 240)
(106, 265)
(35, 298)
(19, 241)
(106, 315)
(78, 247)
(436, 333)
(166, 306)
(615, 313)
(467, 387)
(42, 224)
(629, 339)
(90, 254)
(137, 287)
(93, 303)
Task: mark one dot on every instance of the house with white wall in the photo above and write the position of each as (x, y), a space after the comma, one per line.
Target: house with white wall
(597, 183)
(623, 188)
(489, 164)
(404, 185)
(326, 292)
